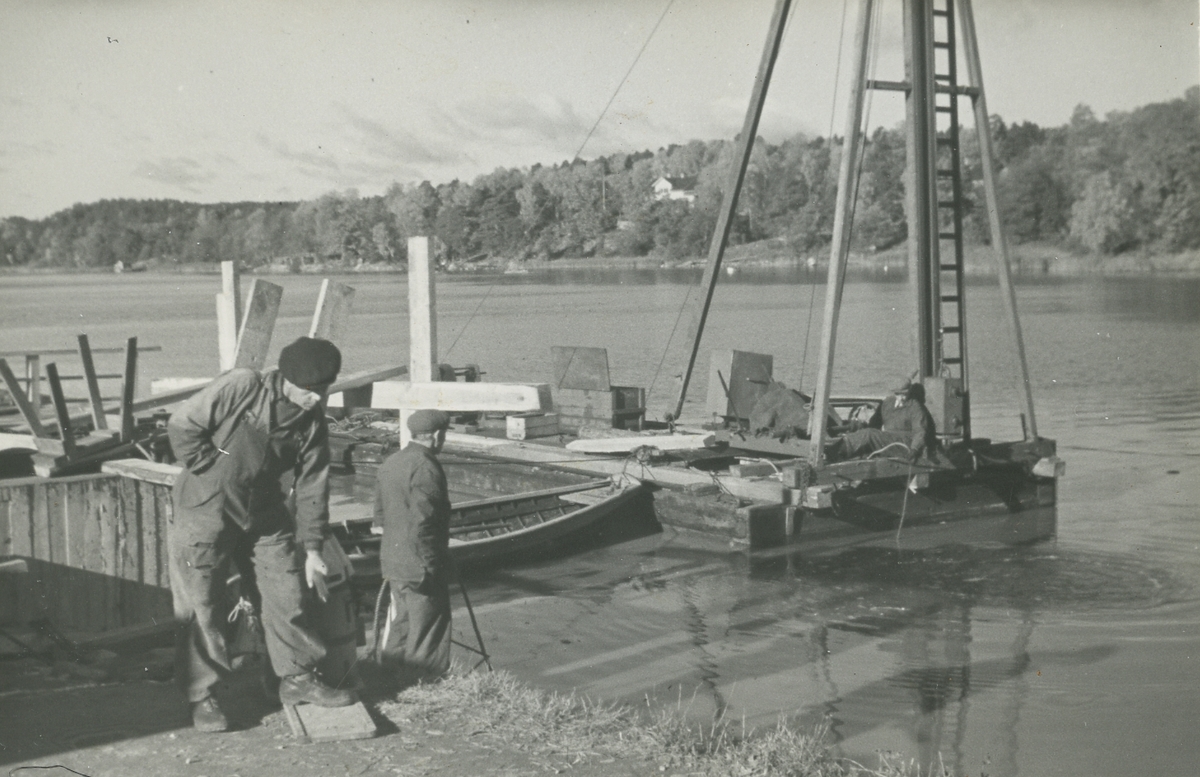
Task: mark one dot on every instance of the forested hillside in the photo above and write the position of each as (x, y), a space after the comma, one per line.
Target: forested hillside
(1128, 182)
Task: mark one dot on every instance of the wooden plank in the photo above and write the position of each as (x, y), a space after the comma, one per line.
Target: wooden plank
(769, 491)
(33, 378)
(92, 558)
(128, 389)
(664, 442)
(332, 314)
(19, 499)
(92, 384)
(156, 572)
(139, 469)
(481, 397)
(23, 404)
(311, 723)
(580, 368)
(254, 339)
(229, 305)
(60, 409)
(736, 379)
(366, 378)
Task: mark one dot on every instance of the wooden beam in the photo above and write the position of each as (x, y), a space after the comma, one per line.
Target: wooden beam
(33, 381)
(459, 397)
(254, 339)
(99, 421)
(229, 307)
(422, 324)
(733, 185)
(23, 405)
(983, 130)
(842, 221)
(128, 387)
(364, 378)
(333, 311)
(60, 409)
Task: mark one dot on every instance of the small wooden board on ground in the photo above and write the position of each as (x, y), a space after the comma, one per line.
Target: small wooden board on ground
(311, 723)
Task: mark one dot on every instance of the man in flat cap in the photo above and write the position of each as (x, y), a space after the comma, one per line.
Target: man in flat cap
(901, 428)
(244, 442)
(412, 505)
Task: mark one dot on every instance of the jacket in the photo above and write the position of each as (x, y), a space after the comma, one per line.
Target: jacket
(243, 446)
(910, 419)
(412, 504)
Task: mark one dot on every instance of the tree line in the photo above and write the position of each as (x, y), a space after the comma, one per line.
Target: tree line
(1127, 182)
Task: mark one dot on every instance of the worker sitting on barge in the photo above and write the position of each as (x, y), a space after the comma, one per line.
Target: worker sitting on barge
(902, 427)
(240, 441)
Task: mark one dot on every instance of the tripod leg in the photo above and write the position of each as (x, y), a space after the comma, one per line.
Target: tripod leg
(471, 612)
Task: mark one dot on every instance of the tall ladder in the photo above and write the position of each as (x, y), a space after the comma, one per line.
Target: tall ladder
(952, 311)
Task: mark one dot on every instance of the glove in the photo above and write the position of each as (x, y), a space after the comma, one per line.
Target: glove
(315, 572)
(914, 457)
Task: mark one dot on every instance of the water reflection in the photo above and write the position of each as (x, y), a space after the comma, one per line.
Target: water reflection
(929, 651)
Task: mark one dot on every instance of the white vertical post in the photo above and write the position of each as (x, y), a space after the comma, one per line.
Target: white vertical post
(229, 312)
(422, 321)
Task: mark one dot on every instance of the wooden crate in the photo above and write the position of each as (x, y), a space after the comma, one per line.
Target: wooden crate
(526, 426)
(621, 407)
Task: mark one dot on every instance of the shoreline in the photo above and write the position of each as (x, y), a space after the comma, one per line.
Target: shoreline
(1028, 261)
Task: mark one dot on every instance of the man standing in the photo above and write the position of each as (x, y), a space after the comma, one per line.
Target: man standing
(412, 504)
(902, 420)
(244, 442)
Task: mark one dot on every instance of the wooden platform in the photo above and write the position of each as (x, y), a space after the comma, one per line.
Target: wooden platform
(311, 723)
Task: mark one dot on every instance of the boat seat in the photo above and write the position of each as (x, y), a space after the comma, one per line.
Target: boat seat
(585, 498)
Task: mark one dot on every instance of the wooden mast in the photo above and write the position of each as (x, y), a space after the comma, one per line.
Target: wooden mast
(1004, 271)
(733, 184)
(840, 249)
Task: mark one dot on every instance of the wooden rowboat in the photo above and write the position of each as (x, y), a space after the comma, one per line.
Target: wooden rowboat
(506, 527)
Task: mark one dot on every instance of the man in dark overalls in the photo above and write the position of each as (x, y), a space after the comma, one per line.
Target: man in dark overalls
(244, 442)
(902, 423)
(412, 505)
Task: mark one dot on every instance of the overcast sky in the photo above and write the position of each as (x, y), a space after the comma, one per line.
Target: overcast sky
(289, 99)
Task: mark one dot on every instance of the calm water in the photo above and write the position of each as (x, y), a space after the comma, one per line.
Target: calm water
(1078, 655)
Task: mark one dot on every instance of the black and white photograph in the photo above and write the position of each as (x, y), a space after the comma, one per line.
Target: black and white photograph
(600, 387)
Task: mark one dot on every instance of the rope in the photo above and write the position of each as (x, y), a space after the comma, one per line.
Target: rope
(578, 151)
(470, 318)
(670, 337)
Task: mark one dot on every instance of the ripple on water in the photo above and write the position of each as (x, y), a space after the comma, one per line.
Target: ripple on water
(1036, 578)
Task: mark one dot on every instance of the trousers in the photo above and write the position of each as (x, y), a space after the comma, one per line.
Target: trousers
(200, 561)
(416, 637)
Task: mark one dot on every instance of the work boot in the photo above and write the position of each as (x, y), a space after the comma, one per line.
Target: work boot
(208, 717)
(307, 687)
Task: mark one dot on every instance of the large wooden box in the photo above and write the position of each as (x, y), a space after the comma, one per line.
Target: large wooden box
(621, 407)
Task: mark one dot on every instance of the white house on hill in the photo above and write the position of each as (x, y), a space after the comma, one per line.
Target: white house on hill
(676, 188)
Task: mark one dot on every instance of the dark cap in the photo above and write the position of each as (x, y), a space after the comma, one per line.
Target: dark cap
(310, 362)
(428, 421)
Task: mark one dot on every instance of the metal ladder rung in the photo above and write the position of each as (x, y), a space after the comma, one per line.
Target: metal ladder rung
(945, 173)
(940, 12)
(949, 267)
(952, 360)
(952, 330)
(945, 203)
(941, 44)
(943, 108)
(950, 298)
